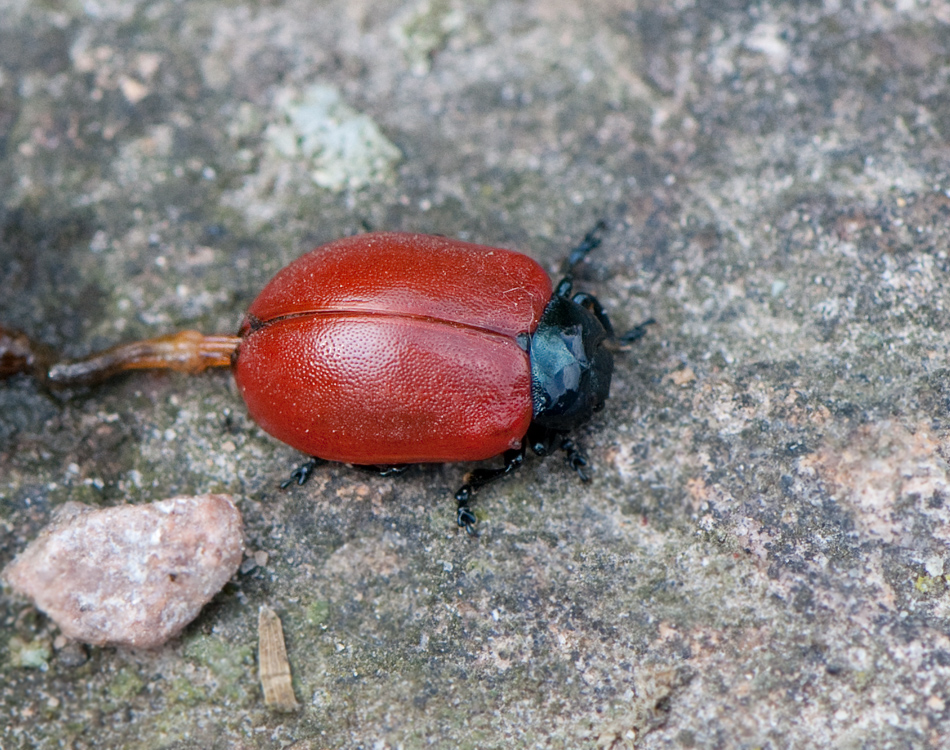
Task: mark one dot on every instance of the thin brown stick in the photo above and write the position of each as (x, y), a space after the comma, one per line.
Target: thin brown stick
(19, 354)
(185, 351)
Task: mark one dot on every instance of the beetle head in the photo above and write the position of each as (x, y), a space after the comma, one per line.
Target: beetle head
(570, 366)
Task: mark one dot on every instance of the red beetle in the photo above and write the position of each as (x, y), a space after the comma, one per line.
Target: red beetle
(394, 348)
(388, 349)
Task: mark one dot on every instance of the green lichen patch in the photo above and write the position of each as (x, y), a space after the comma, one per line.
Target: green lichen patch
(230, 672)
(32, 654)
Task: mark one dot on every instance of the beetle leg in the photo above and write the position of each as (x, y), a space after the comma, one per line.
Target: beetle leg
(302, 473)
(575, 458)
(480, 477)
(465, 516)
(542, 439)
(563, 288)
(590, 302)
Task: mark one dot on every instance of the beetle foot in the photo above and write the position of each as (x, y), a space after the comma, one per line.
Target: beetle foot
(575, 459)
(302, 473)
(465, 517)
(477, 479)
(637, 332)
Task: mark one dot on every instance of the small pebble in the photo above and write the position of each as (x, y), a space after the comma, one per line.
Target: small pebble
(72, 655)
(133, 575)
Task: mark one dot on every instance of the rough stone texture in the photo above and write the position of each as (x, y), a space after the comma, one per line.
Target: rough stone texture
(133, 575)
(760, 559)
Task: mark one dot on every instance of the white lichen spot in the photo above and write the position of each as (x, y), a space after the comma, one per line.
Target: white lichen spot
(344, 149)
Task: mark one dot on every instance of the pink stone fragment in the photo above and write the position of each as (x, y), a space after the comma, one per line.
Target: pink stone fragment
(133, 575)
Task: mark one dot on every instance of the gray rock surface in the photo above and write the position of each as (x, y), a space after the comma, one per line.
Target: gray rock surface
(760, 559)
(132, 575)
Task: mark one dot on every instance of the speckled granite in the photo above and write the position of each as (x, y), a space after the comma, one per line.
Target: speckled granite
(760, 559)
